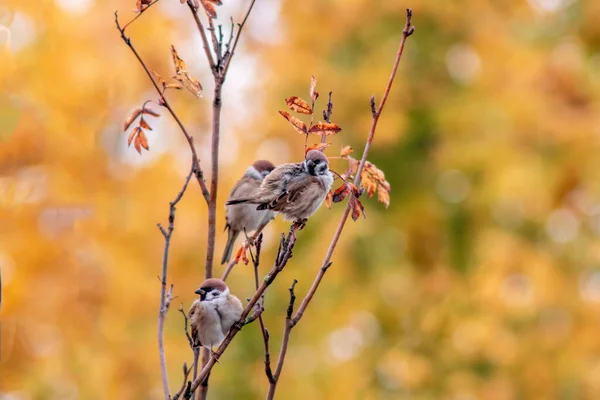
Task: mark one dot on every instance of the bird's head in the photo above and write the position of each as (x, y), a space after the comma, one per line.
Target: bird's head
(316, 163)
(211, 289)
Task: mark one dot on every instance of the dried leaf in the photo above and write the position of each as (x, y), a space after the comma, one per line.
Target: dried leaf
(133, 133)
(141, 5)
(159, 79)
(295, 103)
(318, 146)
(209, 8)
(328, 199)
(383, 196)
(174, 85)
(131, 118)
(299, 125)
(356, 191)
(137, 144)
(325, 128)
(149, 111)
(143, 140)
(314, 95)
(179, 63)
(217, 2)
(190, 83)
(367, 182)
(145, 125)
(341, 193)
(346, 151)
(357, 209)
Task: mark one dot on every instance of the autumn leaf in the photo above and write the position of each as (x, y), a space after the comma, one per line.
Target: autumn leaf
(341, 193)
(217, 2)
(141, 5)
(357, 208)
(295, 103)
(356, 191)
(346, 151)
(314, 95)
(296, 123)
(179, 63)
(183, 76)
(137, 144)
(373, 179)
(149, 111)
(131, 118)
(132, 135)
(328, 199)
(318, 146)
(325, 128)
(174, 85)
(143, 140)
(209, 8)
(144, 124)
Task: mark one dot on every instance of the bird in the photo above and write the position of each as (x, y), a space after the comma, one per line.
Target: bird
(295, 190)
(245, 217)
(213, 314)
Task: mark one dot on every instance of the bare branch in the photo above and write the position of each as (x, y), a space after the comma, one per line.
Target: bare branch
(284, 342)
(139, 14)
(205, 45)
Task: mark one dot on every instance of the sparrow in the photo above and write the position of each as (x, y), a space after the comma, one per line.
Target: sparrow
(295, 190)
(242, 217)
(213, 314)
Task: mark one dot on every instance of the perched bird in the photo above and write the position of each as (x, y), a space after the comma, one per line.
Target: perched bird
(294, 190)
(213, 314)
(246, 216)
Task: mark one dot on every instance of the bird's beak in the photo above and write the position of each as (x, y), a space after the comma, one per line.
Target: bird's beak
(200, 292)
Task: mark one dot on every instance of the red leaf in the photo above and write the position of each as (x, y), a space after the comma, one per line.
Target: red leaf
(131, 118)
(149, 111)
(145, 125)
(132, 135)
(341, 193)
(318, 146)
(346, 151)
(295, 103)
(328, 199)
(357, 208)
(296, 123)
(325, 128)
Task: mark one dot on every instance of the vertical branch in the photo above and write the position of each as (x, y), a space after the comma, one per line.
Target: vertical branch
(165, 297)
(289, 324)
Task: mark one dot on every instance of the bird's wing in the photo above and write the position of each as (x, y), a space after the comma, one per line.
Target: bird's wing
(243, 188)
(192, 317)
(293, 189)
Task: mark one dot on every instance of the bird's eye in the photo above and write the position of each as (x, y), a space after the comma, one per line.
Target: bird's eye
(317, 161)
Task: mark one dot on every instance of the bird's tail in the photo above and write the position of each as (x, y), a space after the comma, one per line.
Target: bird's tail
(232, 236)
(237, 201)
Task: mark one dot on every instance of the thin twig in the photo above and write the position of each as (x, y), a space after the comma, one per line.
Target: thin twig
(327, 115)
(284, 342)
(199, 173)
(139, 14)
(229, 56)
(165, 297)
(205, 45)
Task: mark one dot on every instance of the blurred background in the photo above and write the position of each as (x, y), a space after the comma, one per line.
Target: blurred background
(480, 281)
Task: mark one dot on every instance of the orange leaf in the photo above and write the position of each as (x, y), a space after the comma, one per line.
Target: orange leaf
(149, 111)
(357, 209)
(217, 2)
(346, 151)
(175, 85)
(341, 193)
(137, 144)
(328, 199)
(325, 128)
(296, 123)
(179, 63)
(145, 125)
(295, 103)
(131, 118)
(318, 146)
(191, 84)
(143, 140)
(314, 95)
(383, 196)
(132, 135)
(209, 8)
(356, 191)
